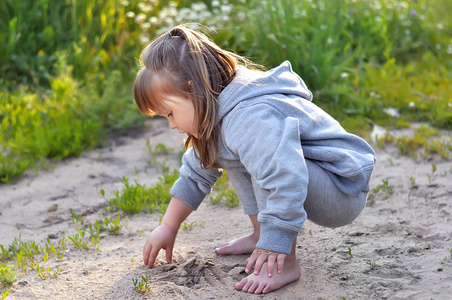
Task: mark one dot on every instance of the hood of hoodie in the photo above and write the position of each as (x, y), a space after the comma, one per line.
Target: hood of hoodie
(249, 84)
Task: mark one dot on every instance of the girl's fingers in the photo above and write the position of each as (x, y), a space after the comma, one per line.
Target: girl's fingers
(280, 262)
(259, 262)
(146, 251)
(169, 254)
(271, 264)
(153, 256)
(251, 261)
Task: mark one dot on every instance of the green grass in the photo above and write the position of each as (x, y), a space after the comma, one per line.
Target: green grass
(67, 68)
(135, 198)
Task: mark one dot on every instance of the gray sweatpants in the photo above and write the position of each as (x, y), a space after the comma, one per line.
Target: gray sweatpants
(325, 204)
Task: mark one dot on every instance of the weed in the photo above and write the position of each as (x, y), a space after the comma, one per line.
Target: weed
(349, 252)
(133, 260)
(112, 225)
(190, 226)
(434, 168)
(7, 275)
(5, 294)
(142, 286)
(136, 198)
(224, 192)
(159, 149)
(79, 239)
(76, 218)
(413, 181)
(45, 273)
(372, 264)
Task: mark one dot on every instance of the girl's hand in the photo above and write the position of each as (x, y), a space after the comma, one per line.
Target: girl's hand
(162, 237)
(260, 256)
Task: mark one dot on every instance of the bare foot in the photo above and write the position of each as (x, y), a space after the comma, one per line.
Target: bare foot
(243, 245)
(261, 283)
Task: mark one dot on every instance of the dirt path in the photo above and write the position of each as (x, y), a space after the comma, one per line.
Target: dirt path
(399, 248)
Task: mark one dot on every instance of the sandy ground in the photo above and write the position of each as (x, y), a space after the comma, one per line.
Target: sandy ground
(398, 248)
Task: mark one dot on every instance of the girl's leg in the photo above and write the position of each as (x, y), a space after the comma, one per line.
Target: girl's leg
(325, 204)
(261, 283)
(243, 245)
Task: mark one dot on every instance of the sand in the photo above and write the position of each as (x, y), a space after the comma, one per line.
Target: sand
(398, 248)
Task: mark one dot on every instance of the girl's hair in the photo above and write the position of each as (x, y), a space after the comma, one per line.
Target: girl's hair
(185, 62)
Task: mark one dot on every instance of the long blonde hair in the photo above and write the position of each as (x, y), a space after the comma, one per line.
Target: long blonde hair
(186, 62)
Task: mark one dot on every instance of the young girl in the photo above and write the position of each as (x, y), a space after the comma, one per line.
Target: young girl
(286, 158)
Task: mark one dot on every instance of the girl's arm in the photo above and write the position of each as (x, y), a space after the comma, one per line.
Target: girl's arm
(163, 237)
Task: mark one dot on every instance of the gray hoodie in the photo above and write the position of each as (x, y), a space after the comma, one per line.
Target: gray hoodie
(267, 126)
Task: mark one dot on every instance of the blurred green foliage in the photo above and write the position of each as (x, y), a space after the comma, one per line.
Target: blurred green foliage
(67, 67)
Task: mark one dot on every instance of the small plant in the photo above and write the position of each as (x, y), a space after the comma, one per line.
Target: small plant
(5, 294)
(224, 192)
(76, 218)
(190, 226)
(158, 149)
(112, 225)
(135, 198)
(142, 286)
(413, 181)
(45, 273)
(371, 264)
(79, 239)
(7, 274)
(434, 168)
(349, 252)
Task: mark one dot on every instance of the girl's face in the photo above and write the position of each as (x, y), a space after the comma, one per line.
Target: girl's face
(180, 112)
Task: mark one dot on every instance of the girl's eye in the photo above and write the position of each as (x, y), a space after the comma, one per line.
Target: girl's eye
(170, 114)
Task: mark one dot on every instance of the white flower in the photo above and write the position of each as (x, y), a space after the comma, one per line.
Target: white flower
(330, 41)
(144, 7)
(323, 26)
(373, 94)
(144, 39)
(438, 47)
(198, 7)
(130, 14)
(140, 18)
(241, 16)
(378, 19)
(153, 20)
(344, 75)
(124, 2)
(393, 112)
(145, 25)
(226, 9)
(411, 104)
(215, 3)
(440, 26)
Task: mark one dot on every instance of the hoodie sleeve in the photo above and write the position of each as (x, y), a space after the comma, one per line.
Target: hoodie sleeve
(268, 144)
(194, 182)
